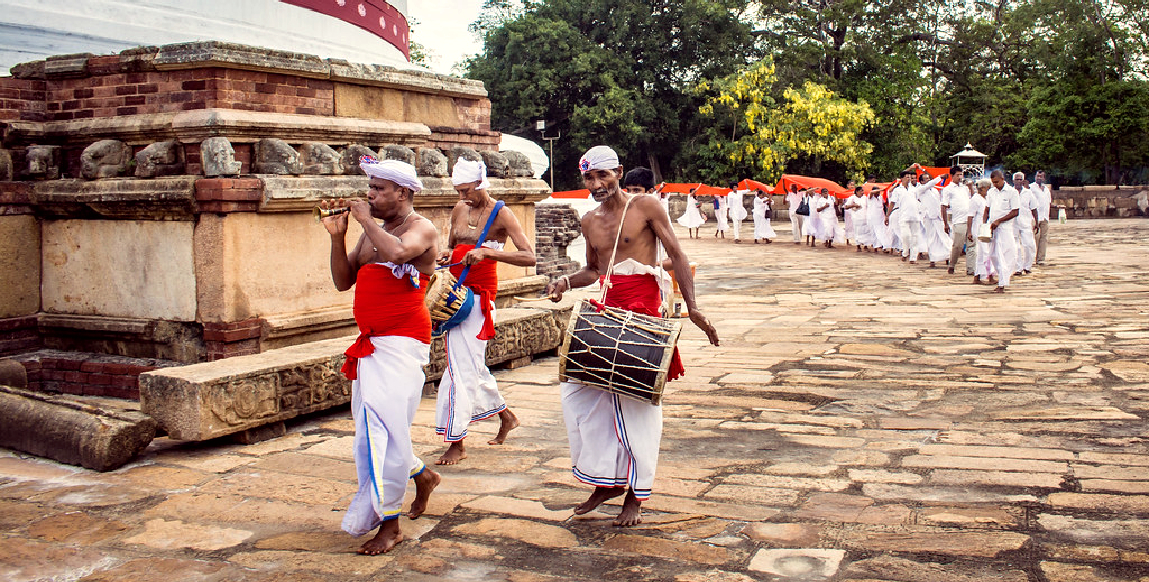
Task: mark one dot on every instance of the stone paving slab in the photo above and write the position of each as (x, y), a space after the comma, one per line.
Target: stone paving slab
(863, 420)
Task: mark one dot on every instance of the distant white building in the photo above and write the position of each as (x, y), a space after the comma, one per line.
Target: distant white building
(33, 30)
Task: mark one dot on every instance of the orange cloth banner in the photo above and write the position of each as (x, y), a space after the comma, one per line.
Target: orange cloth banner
(783, 185)
(749, 184)
(572, 194)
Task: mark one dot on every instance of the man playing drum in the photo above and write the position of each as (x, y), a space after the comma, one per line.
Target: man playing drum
(468, 392)
(614, 440)
(389, 268)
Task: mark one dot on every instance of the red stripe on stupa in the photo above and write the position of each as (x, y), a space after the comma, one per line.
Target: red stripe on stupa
(374, 16)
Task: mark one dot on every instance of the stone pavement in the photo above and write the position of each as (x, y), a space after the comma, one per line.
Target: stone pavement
(863, 420)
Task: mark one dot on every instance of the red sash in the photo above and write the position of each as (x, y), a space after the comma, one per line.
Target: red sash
(386, 306)
(640, 294)
(483, 279)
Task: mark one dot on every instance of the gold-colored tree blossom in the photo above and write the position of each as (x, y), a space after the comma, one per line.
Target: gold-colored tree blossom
(809, 121)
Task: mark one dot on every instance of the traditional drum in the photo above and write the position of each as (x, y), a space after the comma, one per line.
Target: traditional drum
(448, 301)
(619, 351)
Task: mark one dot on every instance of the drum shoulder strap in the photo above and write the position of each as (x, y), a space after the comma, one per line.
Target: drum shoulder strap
(483, 235)
(610, 268)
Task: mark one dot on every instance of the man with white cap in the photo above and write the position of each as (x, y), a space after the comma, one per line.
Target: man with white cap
(614, 440)
(468, 392)
(389, 268)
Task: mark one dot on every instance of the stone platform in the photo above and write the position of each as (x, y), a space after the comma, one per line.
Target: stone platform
(863, 420)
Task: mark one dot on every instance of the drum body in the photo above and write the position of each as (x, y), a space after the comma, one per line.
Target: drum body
(619, 351)
(448, 301)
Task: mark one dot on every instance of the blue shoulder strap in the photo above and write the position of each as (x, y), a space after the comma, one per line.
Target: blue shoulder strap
(483, 236)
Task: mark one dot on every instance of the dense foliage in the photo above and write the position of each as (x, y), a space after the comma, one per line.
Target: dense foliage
(728, 89)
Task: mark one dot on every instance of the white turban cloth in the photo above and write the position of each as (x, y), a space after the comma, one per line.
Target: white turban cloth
(401, 173)
(467, 171)
(598, 158)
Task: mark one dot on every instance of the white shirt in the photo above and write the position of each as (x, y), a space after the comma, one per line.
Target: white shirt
(859, 213)
(1002, 202)
(931, 203)
(957, 198)
(1027, 203)
(977, 210)
(1044, 200)
(793, 199)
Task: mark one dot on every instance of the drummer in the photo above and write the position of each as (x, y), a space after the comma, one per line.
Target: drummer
(389, 268)
(615, 463)
(468, 392)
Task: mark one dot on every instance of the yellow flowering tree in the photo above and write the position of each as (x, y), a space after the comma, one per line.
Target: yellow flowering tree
(769, 133)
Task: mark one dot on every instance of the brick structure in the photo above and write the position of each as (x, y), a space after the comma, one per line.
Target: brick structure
(87, 374)
(556, 225)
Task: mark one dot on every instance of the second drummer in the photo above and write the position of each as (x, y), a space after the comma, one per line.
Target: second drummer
(614, 440)
(468, 392)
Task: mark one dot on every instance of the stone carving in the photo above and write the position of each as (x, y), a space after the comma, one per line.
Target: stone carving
(432, 163)
(107, 158)
(218, 158)
(6, 171)
(244, 400)
(274, 156)
(159, 159)
(461, 152)
(302, 387)
(351, 157)
(497, 164)
(44, 162)
(318, 158)
(519, 165)
(398, 152)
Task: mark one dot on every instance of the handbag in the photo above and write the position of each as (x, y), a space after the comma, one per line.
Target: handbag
(803, 208)
(769, 213)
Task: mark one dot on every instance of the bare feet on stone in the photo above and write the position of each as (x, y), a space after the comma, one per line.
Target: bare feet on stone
(631, 511)
(425, 483)
(507, 422)
(596, 499)
(455, 453)
(388, 536)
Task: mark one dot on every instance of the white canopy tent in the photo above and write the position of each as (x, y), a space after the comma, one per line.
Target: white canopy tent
(532, 150)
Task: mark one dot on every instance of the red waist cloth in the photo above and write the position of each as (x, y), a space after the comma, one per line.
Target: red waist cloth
(640, 294)
(386, 306)
(483, 279)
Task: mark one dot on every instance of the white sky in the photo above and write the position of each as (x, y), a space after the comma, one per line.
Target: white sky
(442, 28)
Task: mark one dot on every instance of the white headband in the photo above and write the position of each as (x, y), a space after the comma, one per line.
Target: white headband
(598, 158)
(401, 173)
(467, 171)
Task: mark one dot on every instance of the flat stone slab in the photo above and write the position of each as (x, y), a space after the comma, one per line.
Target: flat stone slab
(213, 399)
(70, 431)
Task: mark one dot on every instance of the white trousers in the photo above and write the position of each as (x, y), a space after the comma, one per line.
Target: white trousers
(467, 392)
(614, 439)
(384, 399)
(1003, 253)
(1027, 248)
(911, 239)
(796, 225)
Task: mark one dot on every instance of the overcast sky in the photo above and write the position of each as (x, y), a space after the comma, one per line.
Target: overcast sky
(441, 26)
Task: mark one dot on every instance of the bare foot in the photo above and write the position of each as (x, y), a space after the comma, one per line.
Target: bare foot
(454, 454)
(425, 483)
(999, 290)
(507, 423)
(631, 511)
(600, 495)
(388, 536)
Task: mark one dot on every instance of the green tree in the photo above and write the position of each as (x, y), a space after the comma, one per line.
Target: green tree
(607, 71)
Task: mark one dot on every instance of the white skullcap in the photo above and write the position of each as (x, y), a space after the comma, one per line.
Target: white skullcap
(1019, 175)
(598, 158)
(467, 171)
(401, 173)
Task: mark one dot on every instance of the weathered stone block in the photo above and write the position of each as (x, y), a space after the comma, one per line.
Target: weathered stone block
(461, 152)
(70, 431)
(213, 399)
(159, 159)
(398, 152)
(6, 170)
(107, 158)
(497, 164)
(318, 158)
(275, 156)
(219, 158)
(13, 373)
(43, 162)
(518, 165)
(432, 163)
(351, 157)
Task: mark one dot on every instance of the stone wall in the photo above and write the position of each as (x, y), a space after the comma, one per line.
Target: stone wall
(1102, 201)
(556, 225)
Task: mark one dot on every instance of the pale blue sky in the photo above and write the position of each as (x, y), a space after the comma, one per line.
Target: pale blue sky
(442, 28)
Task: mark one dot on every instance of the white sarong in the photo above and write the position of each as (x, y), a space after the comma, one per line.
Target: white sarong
(692, 217)
(467, 392)
(384, 399)
(1003, 253)
(614, 439)
(936, 243)
(762, 228)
